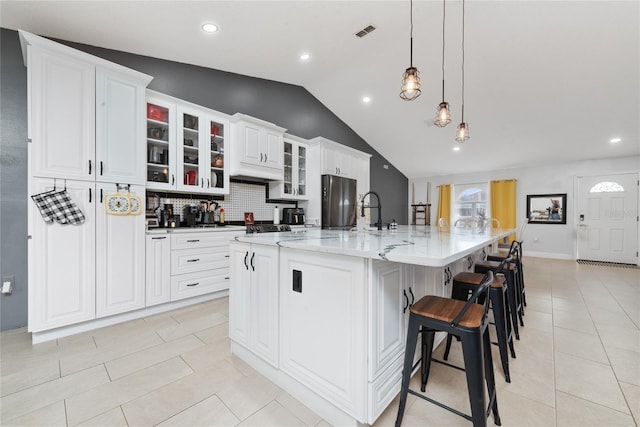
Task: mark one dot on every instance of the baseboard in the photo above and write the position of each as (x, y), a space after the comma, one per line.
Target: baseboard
(547, 255)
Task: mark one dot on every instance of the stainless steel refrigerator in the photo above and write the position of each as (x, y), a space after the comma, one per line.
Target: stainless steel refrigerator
(339, 202)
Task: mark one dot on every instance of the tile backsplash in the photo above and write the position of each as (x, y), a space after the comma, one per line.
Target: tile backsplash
(243, 197)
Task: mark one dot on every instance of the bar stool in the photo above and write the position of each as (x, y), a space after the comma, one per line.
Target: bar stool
(509, 270)
(464, 319)
(515, 251)
(464, 284)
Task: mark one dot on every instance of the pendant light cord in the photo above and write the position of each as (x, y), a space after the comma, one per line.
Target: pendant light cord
(463, 61)
(444, 11)
(411, 35)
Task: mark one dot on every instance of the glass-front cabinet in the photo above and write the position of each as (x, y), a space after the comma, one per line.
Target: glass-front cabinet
(294, 183)
(185, 147)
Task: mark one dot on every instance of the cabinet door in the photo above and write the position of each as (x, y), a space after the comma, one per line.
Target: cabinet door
(120, 153)
(272, 148)
(300, 172)
(251, 150)
(216, 179)
(239, 292)
(62, 261)
(158, 271)
(62, 104)
(161, 145)
(190, 140)
(120, 258)
(361, 169)
(263, 265)
(289, 170)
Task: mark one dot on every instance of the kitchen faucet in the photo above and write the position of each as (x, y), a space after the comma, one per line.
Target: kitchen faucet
(379, 207)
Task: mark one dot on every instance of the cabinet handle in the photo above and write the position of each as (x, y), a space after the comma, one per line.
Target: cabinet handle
(260, 157)
(469, 262)
(226, 278)
(406, 299)
(193, 241)
(173, 179)
(265, 157)
(245, 260)
(253, 267)
(208, 182)
(201, 182)
(89, 195)
(158, 238)
(413, 298)
(193, 260)
(101, 195)
(101, 167)
(193, 284)
(226, 256)
(89, 167)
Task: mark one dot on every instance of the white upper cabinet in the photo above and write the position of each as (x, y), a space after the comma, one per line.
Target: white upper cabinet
(256, 149)
(162, 169)
(120, 106)
(86, 115)
(294, 184)
(62, 121)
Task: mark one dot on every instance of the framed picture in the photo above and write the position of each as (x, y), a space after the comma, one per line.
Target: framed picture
(547, 208)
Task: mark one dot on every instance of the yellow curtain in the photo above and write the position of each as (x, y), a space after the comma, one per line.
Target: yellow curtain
(444, 203)
(503, 203)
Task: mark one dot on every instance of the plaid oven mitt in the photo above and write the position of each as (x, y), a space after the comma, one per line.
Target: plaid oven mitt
(58, 206)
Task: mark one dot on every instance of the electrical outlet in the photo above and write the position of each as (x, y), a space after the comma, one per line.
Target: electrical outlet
(7, 284)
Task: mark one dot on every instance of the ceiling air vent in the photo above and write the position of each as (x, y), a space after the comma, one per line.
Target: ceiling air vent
(365, 31)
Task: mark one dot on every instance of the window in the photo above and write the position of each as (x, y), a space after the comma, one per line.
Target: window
(607, 187)
(470, 201)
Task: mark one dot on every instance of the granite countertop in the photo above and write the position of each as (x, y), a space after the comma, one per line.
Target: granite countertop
(418, 245)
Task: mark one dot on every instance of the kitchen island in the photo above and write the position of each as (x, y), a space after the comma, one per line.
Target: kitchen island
(323, 313)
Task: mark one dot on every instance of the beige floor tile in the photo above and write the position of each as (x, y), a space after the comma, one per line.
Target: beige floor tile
(112, 418)
(201, 358)
(75, 343)
(108, 396)
(114, 350)
(196, 324)
(625, 363)
(570, 305)
(573, 411)
(537, 320)
(575, 321)
(248, 395)
(323, 423)
(305, 414)
(617, 319)
(214, 334)
(273, 415)
(118, 332)
(42, 395)
(585, 346)
(209, 412)
(589, 380)
(535, 343)
(604, 303)
(388, 416)
(516, 410)
(532, 378)
(52, 415)
(194, 312)
(16, 380)
(542, 305)
(126, 365)
(628, 339)
(173, 398)
(632, 395)
(161, 320)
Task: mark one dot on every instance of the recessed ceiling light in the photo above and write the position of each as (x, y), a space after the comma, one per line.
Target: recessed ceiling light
(456, 148)
(305, 56)
(614, 140)
(209, 28)
(366, 99)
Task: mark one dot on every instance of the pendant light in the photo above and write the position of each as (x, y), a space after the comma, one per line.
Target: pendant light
(462, 132)
(411, 78)
(443, 117)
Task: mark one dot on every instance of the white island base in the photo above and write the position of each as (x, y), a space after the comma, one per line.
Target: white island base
(327, 323)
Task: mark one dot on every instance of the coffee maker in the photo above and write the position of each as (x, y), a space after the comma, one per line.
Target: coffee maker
(167, 220)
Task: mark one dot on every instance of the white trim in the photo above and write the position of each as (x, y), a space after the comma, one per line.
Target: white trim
(42, 336)
(547, 255)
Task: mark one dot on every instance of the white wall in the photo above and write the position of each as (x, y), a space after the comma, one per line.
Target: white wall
(545, 240)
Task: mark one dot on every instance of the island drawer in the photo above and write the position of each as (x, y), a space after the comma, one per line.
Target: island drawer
(192, 260)
(202, 282)
(201, 240)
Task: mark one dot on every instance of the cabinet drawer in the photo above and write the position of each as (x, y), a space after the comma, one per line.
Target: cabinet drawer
(201, 240)
(384, 389)
(203, 282)
(192, 260)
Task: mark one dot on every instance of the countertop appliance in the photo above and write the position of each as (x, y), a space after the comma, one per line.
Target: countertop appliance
(339, 202)
(267, 228)
(293, 216)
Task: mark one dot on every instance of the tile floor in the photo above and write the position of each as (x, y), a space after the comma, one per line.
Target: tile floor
(578, 364)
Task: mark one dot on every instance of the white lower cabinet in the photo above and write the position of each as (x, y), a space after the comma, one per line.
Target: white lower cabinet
(62, 261)
(323, 326)
(253, 299)
(199, 263)
(158, 268)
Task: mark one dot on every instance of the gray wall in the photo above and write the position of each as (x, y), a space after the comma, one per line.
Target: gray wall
(289, 106)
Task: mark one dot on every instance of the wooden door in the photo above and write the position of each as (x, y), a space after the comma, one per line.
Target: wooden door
(607, 218)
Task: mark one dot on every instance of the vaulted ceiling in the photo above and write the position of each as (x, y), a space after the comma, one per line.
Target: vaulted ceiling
(545, 81)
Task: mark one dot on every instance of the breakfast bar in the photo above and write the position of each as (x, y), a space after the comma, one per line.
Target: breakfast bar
(323, 313)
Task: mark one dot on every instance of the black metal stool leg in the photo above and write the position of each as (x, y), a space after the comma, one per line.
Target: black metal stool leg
(410, 350)
(474, 369)
(499, 317)
(513, 304)
(427, 348)
(489, 376)
(447, 347)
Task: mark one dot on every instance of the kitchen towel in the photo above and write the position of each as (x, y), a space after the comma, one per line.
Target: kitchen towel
(58, 206)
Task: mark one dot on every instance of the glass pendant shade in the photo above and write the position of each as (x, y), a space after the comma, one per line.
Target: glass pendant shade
(410, 84)
(462, 132)
(443, 117)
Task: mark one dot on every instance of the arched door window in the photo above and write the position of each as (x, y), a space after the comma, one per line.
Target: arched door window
(607, 187)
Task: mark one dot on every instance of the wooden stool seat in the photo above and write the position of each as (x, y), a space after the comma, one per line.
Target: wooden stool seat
(446, 310)
(491, 265)
(476, 279)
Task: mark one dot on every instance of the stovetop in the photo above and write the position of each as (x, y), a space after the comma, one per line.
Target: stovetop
(267, 228)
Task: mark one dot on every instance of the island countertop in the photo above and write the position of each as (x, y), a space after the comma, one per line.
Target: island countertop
(418, 245)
